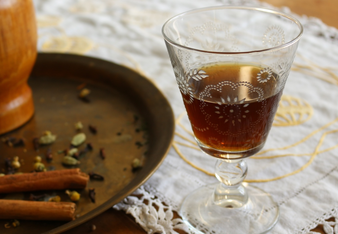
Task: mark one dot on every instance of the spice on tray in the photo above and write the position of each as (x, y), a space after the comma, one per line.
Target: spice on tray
(15, 163)
(138, 144)
(7, 225)
(89, 146)
(8, 140)
(48, 180)
(47, 138)
(37, 159)
(92, 194)
(54, 199)
(36, 143)
(33, 197)
(95, 176)
(72, 151)
(83, 95)
(78, 139)
(8, 166)
(70, 161)
(15, 223)
(13, 142)
(84, 92)
(102, 153)
(136, 164)
(36, 210)
(73, 195)
(39, 167)
(79, 126)
(92, 129)
(49, 155)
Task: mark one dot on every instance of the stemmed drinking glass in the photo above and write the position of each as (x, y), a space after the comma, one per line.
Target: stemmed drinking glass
(231, 65)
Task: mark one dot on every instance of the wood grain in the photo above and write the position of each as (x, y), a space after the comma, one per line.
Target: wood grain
(18, 41)
(326, 10)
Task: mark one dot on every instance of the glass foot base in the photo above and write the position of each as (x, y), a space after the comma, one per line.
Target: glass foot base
(258, 215)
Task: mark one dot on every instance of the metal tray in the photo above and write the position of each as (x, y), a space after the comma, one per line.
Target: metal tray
(132, 117)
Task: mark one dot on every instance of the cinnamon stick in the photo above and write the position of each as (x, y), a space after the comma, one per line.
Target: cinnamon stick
(36, 210)
(50, 180)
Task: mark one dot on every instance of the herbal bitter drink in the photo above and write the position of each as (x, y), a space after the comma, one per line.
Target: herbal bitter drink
(231, 108)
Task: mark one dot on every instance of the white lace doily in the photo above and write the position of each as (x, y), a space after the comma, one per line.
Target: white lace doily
(303, 154)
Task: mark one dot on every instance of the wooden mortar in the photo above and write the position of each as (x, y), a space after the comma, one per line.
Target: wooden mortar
(18, 50)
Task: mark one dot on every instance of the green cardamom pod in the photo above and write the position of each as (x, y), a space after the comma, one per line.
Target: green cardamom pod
(47, 139)
(78, 139)
(70, 161)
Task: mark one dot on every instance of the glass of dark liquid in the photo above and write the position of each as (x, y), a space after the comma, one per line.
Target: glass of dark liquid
(231, 65)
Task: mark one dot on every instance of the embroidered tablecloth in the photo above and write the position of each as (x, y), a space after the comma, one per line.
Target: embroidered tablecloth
(298, 165)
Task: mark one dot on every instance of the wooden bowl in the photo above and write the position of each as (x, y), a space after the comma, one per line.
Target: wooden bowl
(18, 50)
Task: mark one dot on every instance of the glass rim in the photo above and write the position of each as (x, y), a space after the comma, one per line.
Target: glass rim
(266, 10)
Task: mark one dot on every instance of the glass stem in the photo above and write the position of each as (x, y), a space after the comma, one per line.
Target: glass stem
(230, 192)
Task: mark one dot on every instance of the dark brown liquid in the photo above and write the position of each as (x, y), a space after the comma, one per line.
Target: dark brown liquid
(232, 110)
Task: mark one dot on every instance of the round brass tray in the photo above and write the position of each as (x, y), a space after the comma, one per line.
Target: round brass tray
(132, 117)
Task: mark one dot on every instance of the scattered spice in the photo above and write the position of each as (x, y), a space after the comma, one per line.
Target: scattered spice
(78, 139)
(136, 164)
(8, 225)
(102, 153)
(76, 155)
(13, 142)
(84, 150)
(15, 223)
(92, 194)
(47, 138)
(95, 176)
(37, 159)
(55, 199)
(49, 155)
(93, 227)
(39, 167)
(8, 166)
(70, 161)
(9, 140)
(15, 163)
(138, 144)
(78, 126)
(33, 197)
(73, 195)
(84, 95)
(36, 143)
(72, 151)
(66, 152)
(93, 129)
(89, 146)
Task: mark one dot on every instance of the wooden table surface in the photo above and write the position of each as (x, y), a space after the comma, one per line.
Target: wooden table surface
(118, 222)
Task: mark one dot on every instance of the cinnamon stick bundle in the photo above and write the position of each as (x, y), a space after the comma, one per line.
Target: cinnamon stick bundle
(36, 210)
(50, 180)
